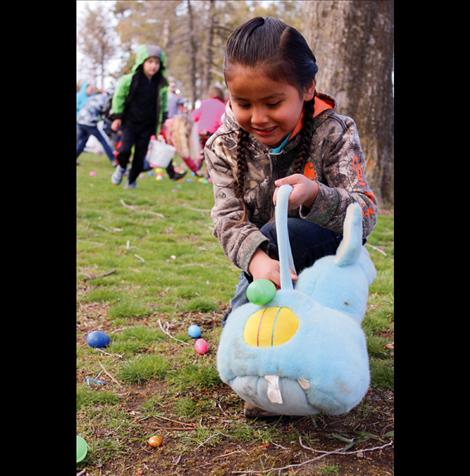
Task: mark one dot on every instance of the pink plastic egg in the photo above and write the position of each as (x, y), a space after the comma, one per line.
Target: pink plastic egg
(201, 346)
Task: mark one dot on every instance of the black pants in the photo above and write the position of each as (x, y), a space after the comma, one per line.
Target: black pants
(139, 138)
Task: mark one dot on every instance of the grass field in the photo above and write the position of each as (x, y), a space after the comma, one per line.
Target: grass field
(148, 266)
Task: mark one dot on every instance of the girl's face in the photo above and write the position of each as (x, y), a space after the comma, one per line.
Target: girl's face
(266, 109)
(151, 66)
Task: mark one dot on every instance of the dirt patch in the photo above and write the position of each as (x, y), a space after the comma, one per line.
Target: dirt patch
(369, 426)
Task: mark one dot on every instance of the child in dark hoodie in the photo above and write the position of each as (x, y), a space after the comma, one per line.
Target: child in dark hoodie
(139, 108)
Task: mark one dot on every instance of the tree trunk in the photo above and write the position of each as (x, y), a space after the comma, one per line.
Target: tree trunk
(210, 47)
(192, 44)
(353, 43)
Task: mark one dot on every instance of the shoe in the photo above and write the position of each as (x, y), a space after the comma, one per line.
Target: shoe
(117, 176)
(131, 185)
(252, 411)
(178, 175)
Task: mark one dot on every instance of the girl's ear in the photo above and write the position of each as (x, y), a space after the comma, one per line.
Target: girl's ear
(309, 91)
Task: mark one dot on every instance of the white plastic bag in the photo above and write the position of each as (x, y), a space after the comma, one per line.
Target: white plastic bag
(160, 154)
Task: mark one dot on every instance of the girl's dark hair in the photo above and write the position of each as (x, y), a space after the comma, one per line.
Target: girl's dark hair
(282, 53)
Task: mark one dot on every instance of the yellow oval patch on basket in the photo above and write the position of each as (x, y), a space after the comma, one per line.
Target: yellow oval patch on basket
(270, 327)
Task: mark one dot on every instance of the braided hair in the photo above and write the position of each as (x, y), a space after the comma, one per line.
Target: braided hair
(284, 55)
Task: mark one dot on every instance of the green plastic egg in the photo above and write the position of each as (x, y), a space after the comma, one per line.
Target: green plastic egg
(261, 291)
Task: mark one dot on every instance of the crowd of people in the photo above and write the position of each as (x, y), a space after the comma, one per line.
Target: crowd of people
(143, 105)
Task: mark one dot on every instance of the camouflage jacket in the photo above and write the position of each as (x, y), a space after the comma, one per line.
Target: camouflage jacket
(336, 162)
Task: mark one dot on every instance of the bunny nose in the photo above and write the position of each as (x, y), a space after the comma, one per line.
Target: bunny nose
(270, 327)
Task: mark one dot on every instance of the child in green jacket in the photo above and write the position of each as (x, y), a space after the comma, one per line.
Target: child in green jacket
(139, 108)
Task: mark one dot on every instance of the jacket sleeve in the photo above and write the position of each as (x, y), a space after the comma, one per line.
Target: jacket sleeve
(239, 240)
(120, 96)
(163, 112)
(343, 171)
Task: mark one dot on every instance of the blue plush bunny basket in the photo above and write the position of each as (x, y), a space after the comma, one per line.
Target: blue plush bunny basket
(304, 352)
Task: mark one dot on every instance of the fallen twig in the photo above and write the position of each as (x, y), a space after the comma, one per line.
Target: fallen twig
(109, 375)
(376, 249)
(322, 455)
(207, 439)
(125, 205)
(221, 409)
(89, 277)
(279, 446)
(192, 425)
(178, 460)
(203, 210)
(107, 353)
(227, 454)
(111, 229)
(169, 335)
(140, 258)
(82, 472)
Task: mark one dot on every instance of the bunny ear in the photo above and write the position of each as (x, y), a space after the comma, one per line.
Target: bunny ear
(350, 248)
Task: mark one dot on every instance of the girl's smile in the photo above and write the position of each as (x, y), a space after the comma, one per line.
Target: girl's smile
(265, 108)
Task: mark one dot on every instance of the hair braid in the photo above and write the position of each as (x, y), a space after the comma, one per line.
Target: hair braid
(306, 141)
(242, 167)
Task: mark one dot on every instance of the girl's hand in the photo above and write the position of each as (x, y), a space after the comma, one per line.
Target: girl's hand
(304, 191)
(116, 125)
(263, 267)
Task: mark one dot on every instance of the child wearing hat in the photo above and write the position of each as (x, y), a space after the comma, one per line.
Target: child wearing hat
(139, 108)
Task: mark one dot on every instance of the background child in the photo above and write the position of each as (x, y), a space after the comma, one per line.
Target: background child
(95, 109)
(83, 94)
(279, 130)
(209, 115)
(140, 106)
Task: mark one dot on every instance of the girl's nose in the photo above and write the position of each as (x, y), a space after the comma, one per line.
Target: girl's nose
(258, 117)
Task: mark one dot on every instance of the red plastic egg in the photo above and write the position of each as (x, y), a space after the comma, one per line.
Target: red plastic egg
(201, 346)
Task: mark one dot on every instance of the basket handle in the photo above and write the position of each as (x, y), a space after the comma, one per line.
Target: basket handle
(285, 253)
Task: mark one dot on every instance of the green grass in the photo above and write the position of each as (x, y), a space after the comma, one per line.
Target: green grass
(164, 263)
(143, 368)
(87, 396)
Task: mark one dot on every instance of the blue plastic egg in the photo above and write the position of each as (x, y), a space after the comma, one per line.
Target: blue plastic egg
(194, 331)
(97, 339)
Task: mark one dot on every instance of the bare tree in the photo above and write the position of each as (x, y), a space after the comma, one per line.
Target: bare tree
(192, 52)
(353, 43)
(96, 41)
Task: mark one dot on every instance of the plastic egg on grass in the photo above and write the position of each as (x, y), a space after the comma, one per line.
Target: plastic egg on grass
(201, 346)
(82, 449)
(98, 339)
(261, 291)
(194, 331)
(155, 441)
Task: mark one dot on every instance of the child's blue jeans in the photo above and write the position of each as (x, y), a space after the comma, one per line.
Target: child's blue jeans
(83, 134)
(308, 242)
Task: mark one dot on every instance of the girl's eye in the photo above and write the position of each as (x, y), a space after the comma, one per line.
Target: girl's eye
(244, 106)
(273, 105)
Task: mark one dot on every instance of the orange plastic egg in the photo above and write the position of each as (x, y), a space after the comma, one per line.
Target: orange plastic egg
(155, 441)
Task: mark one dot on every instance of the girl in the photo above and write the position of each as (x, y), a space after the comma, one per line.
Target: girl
(277, 130)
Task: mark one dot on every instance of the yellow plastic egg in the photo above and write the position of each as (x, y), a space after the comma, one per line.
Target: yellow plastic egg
(270, 327)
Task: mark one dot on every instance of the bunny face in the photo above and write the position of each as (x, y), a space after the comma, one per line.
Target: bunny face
(304, 352)
(326, 353)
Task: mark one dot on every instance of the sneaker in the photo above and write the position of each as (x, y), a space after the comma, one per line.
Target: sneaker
(131, 185)
(117, 176)
(178, 175)
(252, 411)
